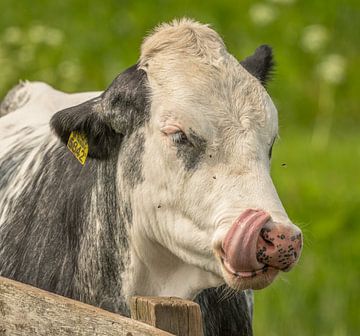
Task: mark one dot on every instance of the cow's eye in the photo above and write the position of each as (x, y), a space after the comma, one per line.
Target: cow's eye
(179, 138)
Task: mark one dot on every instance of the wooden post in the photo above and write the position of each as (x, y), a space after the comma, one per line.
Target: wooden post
(29, 311)
(177, 316)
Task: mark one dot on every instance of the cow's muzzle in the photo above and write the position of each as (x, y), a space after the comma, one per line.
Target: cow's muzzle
(255, 244)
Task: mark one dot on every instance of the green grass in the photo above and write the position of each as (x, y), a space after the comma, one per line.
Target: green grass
(79, 45)
(320, 190)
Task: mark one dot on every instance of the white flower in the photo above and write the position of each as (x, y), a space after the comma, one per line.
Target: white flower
(54, 37)
(69, 70)
(26, 53)
(47, 35)
(13, 35)
(37, 34)
(332, 68)
(314, 38)
(262, 14)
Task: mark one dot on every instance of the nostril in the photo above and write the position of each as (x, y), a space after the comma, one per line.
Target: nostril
(265, 247)
(278, 246)
(255, 241)
(264, 234)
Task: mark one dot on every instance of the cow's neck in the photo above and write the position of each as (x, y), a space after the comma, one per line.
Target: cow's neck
(155, 271)
(104, 252)
(77, 247)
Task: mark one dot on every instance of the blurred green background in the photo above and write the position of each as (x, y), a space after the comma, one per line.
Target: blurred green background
(79, 45)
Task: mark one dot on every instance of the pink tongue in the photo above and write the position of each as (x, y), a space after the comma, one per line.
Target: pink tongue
(240, 243)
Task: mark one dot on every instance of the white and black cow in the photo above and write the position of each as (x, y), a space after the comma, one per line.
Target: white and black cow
(175, 197)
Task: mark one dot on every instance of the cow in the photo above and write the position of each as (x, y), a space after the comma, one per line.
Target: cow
(160, 185)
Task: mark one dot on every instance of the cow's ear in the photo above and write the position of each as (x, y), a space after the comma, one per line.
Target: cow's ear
(88, 119)
(126, 100)
(260, 64)
(105, 120)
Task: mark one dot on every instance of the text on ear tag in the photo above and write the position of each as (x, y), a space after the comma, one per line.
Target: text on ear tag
(78, 145)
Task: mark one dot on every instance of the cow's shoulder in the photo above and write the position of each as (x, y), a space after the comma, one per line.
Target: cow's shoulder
(17, 97)
(40, 97)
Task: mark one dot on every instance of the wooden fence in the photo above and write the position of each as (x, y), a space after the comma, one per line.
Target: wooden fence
(26, 310)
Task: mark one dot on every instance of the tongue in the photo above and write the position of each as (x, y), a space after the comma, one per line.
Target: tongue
(240, 243)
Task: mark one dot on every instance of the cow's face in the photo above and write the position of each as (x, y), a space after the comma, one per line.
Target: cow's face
(196, 129)
(206, 162)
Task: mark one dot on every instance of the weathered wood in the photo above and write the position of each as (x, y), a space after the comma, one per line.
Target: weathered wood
(178, 316)
(26, 310)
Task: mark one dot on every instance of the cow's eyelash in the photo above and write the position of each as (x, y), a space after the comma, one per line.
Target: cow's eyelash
(179, 138)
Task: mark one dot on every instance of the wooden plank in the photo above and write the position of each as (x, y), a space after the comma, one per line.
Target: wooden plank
(26, 310)
(178, 316)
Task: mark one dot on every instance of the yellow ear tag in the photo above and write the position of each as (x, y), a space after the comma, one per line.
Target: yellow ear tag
(78, 145)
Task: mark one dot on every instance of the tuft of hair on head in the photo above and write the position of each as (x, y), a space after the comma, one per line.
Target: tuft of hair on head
(260, 64)
(182, 36)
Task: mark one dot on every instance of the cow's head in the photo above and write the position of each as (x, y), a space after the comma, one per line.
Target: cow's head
(194, 130)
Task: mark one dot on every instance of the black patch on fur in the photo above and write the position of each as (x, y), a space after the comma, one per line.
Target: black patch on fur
(46, 240)
(8, 167)
(132, 159)
(192, 151)
(126, 101)
(224, 316)
(15, 153)
(105, 120)
(260, 64)
(127, 212)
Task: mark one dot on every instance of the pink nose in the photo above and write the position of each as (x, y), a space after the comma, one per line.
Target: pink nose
(254, 241)
(279, 246)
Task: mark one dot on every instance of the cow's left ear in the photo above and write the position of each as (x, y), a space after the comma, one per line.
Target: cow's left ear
(260, 64)
(87, 118)
(105, 120)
